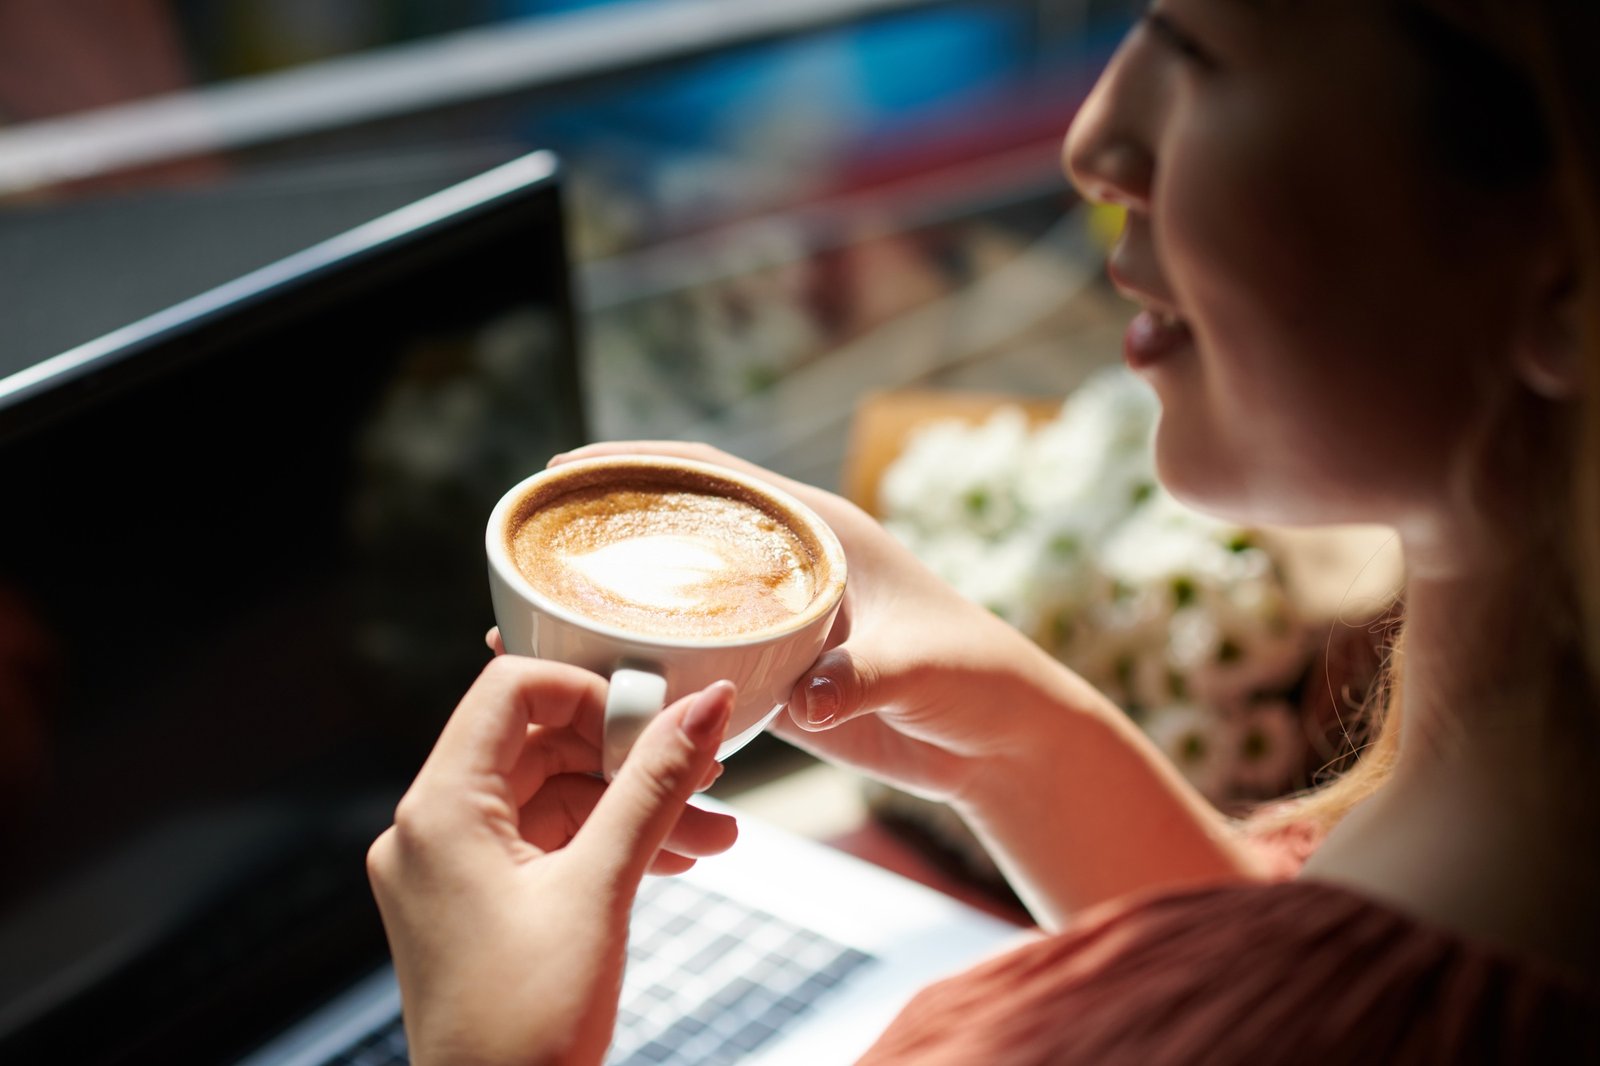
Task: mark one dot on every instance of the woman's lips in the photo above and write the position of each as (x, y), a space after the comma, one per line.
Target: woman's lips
(1151, 337)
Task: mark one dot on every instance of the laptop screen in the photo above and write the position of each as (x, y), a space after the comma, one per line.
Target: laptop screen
(241, 587)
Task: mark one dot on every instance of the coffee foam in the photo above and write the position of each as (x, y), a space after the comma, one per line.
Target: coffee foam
(668, 553)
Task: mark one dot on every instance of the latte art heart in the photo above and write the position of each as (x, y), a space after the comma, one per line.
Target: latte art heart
(684, 573)
(669, 560)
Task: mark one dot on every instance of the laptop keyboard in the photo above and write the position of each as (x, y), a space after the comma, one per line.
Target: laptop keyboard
(709, 981)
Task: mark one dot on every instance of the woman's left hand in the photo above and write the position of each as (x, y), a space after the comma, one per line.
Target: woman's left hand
(508, 877)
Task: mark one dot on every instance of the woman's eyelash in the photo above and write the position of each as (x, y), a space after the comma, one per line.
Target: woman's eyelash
(1175, 38)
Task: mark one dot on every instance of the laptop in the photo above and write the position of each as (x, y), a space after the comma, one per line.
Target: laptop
(781, 952)
(241, 588)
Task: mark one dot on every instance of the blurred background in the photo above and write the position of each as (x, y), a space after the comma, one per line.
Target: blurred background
(774, 206)
(795, 227)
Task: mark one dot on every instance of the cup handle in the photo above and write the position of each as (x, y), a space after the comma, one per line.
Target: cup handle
(635, 697)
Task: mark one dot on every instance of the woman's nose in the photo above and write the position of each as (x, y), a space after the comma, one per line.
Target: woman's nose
(1104, 156)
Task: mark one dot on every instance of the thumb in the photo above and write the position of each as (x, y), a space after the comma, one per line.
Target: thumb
(665, 765)
(839, 686)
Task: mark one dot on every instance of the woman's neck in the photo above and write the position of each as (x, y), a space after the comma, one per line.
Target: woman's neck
(1478, 679)
(1486, 824)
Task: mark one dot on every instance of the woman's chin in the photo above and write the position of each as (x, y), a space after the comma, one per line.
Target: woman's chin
(1203, 481)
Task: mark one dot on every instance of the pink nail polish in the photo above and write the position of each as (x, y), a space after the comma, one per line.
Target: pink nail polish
(822, 701)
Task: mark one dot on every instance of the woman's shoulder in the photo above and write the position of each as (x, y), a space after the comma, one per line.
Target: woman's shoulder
(1289, 970)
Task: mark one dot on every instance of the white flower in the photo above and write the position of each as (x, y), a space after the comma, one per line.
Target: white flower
(955, 476)
(954, 554)
(1070, 531)
(1202, 745)
(1271, 751)
(1262, 645)
(1063, 531)
(1005, 583)
(1115, 407)
(1193, 639)
(1096, 452)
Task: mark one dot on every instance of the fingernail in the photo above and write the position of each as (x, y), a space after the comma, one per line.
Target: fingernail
(822, 701)
(712, 774)
(559, 457)
(708, 712)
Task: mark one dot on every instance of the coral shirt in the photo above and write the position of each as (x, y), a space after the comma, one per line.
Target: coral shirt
(1290, 971)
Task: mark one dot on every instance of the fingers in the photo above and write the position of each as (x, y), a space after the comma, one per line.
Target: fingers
(666, 864)
(713, 772)
(839, 686)
(646, 799)
(696, 834)
(565, 803)
(702, 833)
(494, 640)
(487, 734)
(549, 751)
(680, 449)
(688, 450)
(547, 755)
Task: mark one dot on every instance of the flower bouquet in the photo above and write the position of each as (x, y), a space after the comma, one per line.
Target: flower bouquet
(1205, 632)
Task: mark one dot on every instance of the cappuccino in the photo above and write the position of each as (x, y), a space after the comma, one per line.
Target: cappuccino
(668, 552)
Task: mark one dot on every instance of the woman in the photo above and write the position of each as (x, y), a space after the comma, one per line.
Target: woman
(1363, 235)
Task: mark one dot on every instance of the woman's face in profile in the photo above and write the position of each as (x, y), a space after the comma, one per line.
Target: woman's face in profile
(1317, 306)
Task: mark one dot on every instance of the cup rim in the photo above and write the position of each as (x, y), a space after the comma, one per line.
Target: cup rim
(823, 605)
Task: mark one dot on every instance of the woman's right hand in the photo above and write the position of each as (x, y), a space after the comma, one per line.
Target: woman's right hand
(925, 690)
(918, 686)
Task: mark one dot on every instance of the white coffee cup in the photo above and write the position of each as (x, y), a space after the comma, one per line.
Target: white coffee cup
(648, 671)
